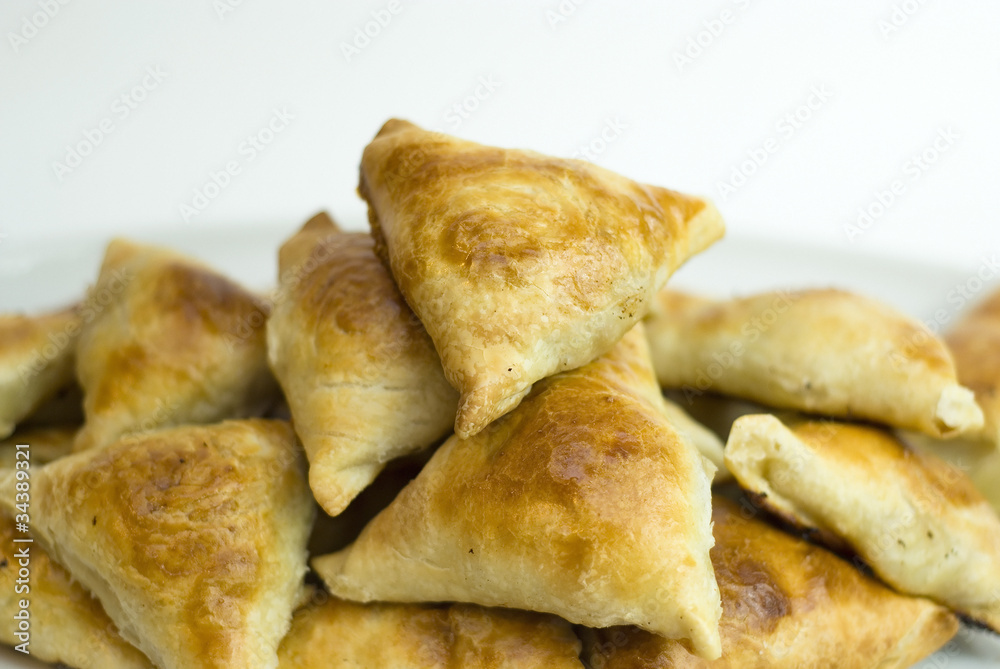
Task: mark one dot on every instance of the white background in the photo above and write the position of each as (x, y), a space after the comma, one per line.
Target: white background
(556, 85)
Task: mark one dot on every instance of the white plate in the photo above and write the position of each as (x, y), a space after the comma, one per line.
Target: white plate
(57, 273)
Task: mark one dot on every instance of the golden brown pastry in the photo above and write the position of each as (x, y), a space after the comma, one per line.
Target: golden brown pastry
(175, 344)
(66, 624)
(583, 502)
(335, 634)
(787, 604)
(975, 343)
(520, 265)
(819, 351)
(360, 374)
(36, 362)
(921, 524)
(192, 538)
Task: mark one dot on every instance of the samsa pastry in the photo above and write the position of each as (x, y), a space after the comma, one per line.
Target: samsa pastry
(920, 524)
(520, 265)
(584, 502)
(175, 344)
(36, 362)
(67, 624)
(787, 604)
(193, 538)
(821, 351)
(360, 374)
(975, 343)
(335, 634)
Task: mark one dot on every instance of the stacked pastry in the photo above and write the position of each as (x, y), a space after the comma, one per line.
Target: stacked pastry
(475, 399)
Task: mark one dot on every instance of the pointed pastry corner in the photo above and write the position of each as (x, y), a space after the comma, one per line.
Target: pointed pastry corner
(929, 633)
(335, 486)
(296, 249)
(957, 412)
(321, 221)
(394, 125)
(480, 407)
(330, 568)
(706, 226)
(120, 250)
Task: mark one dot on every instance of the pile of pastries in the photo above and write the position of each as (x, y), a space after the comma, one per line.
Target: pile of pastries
(447, 444)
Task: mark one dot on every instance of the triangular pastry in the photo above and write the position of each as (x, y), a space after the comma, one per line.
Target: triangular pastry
(174, 343)
(821, 351)
(36, 362)
(360, 374)
(193, 538)
(975, 343)
(920, 524)
(787, 604)
(583, 502)
(334, 634)
(520, 265)
(67, 624)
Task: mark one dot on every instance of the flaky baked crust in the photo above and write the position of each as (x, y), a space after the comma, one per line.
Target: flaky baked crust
(36, 361)
(975, 343)
(336, 634)
(822, 351)
(583, 502)
(192, 538)
(520, 265)
(361, 376)
(173, 343)
(787, 604)
(67, 624)
(919, 523)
